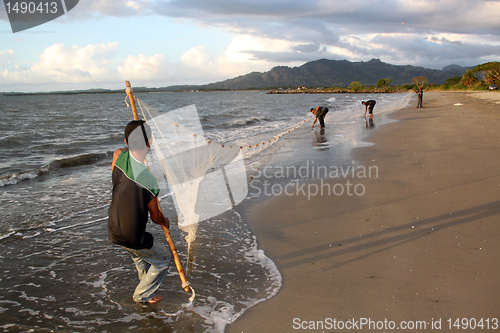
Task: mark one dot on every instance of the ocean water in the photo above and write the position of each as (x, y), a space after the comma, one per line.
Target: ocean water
(59, 271)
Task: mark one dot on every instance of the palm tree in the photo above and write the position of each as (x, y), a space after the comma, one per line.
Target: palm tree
(469, 78)
(492, 77)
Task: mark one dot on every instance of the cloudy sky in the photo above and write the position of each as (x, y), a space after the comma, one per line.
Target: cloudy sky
(101, 43)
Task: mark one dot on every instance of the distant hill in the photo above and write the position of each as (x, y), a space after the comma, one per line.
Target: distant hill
(456, 68)
(340, 73)
(489, 66)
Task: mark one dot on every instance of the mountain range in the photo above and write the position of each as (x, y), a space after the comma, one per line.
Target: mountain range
(331, 73)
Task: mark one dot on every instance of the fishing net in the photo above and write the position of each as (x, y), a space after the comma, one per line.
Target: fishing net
(209, 178)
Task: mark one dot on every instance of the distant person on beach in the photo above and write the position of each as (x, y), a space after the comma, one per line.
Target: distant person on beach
(369, 105)
(420, 96)
(320, 113)
(134, 197)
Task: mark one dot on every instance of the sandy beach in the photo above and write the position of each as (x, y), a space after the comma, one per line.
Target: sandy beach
(421, 243)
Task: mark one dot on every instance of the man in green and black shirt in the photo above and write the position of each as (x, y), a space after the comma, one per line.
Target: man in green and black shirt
(135, 197)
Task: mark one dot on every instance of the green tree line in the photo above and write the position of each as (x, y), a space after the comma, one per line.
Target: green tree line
(479, 78)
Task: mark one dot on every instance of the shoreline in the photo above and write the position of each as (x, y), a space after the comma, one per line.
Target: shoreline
(271, 91)
(418, 245)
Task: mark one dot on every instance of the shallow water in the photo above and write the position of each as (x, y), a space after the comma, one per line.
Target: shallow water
(59, 271)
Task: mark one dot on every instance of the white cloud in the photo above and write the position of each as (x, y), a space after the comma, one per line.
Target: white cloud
(6, 57)
(196, 67)
(136, 5)
(116, 8)
(59, 59)
(240, 44)
(60, 64)
(75, 67)
(197, 57)
(144, 68)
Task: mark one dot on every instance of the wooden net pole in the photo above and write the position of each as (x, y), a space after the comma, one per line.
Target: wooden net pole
(131, 99)
(170, 241)
(185, 283)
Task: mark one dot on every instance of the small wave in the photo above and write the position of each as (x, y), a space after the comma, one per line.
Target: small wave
(16, 177)
(224, 122)
(79, 160)
(3, 236)
(74, 161)
(75, 225)
(250, 134)
(51, 227)
(245, 122)
(18, 138)
(331, 100)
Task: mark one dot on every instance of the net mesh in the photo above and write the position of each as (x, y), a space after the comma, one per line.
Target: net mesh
(209, 178)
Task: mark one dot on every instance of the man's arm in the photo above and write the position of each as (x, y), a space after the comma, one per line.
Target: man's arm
(156, 214)
(314, 113)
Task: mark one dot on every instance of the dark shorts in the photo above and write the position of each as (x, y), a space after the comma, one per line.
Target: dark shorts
(370, 108)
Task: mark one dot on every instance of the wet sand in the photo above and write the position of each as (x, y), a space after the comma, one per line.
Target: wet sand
(421, 244)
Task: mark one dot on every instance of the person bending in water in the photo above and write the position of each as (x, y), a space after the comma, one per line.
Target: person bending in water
(320, 113)
(369, 105)
(135, 194)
